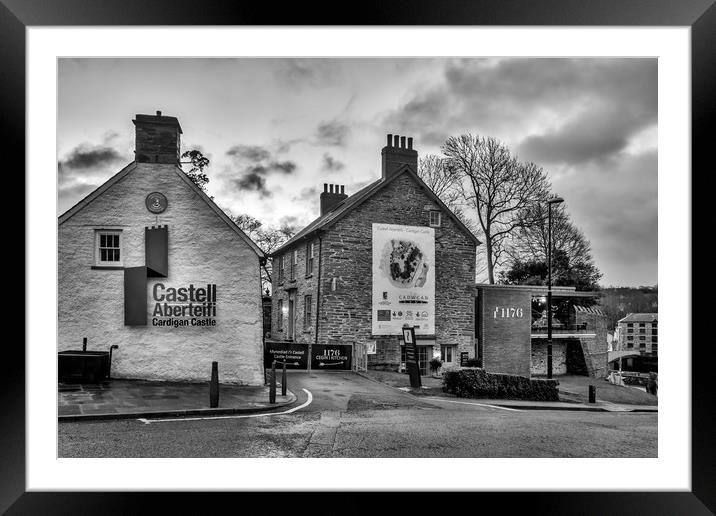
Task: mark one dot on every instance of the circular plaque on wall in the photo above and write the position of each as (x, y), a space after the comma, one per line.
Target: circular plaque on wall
(156, 202)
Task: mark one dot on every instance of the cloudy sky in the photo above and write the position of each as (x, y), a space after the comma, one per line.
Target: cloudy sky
(276, 129)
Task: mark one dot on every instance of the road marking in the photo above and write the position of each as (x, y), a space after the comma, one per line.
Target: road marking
(239, 416)
(471, 403)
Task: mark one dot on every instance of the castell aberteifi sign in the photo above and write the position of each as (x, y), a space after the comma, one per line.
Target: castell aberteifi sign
(184, 306)
(174, 306)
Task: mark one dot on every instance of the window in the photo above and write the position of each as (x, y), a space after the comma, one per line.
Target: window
(108, 250)
(642, 344)
(309, 259)
(307, 311)
(655, 347)
(279, 318)
(280, 270)
(630, 328)
(630, 344)
(654, 339)
(434, 218)
(447, 353)
(294, 262)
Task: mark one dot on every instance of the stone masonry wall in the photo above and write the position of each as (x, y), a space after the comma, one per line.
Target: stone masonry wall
(302, 285)
(595, 348)
(202, 249)
(538, 366)
(345, 301)
(347, 257)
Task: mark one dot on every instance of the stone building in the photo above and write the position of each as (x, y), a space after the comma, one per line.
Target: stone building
(148, 262)
(329, 288)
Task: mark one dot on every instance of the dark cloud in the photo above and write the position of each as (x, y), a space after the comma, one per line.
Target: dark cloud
(585, 108)
(256, 163)
(593, 135)
(330, 164)
(252, 182)
(332, 133)
(87, 156)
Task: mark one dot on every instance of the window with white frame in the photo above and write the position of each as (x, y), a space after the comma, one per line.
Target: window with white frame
(108, 247)
(434, 218)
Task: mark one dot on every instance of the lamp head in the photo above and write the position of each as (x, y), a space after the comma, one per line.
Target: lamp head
(555, 200)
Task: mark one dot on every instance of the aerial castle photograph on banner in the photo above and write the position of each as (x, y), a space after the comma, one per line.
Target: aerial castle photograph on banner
(357, 257)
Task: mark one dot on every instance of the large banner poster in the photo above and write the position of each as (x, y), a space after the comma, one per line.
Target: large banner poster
(403, 279)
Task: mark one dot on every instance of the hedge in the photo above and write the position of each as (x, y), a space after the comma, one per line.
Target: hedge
(477, 383)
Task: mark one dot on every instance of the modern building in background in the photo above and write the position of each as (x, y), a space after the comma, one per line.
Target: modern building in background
(390, 255)
(511, 333)
(639, 332)
(147, 262)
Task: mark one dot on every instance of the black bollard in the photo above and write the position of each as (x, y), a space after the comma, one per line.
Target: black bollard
(272, 384)
(84, 343)
(592, 394)
(283, 380)
(214, 386)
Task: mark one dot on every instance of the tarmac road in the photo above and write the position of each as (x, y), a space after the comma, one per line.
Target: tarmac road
(351, 416)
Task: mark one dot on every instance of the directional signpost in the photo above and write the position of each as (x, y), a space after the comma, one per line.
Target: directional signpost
(411, 356)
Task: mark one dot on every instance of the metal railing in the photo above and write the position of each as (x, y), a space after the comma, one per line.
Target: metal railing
(562, 328)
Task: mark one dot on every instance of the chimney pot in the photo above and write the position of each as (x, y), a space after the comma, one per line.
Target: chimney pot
(343, 189)
(390, 140)
(397, 155)
(159, 113)
(325, 187)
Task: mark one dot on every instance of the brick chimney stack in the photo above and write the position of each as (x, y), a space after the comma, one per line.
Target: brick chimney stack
(157, 139)
(330, 198)
(397, 153)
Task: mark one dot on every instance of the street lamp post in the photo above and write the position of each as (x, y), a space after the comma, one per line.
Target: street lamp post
(555, 200)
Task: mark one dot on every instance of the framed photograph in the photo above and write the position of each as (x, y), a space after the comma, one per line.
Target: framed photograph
(203, 184)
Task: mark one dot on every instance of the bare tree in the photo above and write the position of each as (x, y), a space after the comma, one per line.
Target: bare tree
(444, 180)
(499, 188)
(533, 241)
(267, 238)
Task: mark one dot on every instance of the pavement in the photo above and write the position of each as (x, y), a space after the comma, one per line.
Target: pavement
(571, 399)
(123, 399)
(344, 415)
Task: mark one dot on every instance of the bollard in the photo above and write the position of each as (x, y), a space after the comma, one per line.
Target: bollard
(84, 343)
(283, 380)
(592, 394)
(214, 386)
(272, 385)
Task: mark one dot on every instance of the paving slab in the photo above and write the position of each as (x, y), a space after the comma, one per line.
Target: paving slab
(125, 399)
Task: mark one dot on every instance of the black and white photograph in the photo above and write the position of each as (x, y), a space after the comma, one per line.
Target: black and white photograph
(358, 257)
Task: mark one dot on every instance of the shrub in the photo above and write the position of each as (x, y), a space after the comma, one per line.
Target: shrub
(473, 362)
(477, 383)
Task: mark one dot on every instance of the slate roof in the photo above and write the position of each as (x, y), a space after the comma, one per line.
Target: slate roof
(353, 201)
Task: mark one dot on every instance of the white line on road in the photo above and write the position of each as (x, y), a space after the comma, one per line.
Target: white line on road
(477, 404)
(239, 416)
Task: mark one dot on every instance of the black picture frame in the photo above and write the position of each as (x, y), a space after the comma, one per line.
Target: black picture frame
(699, 15)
